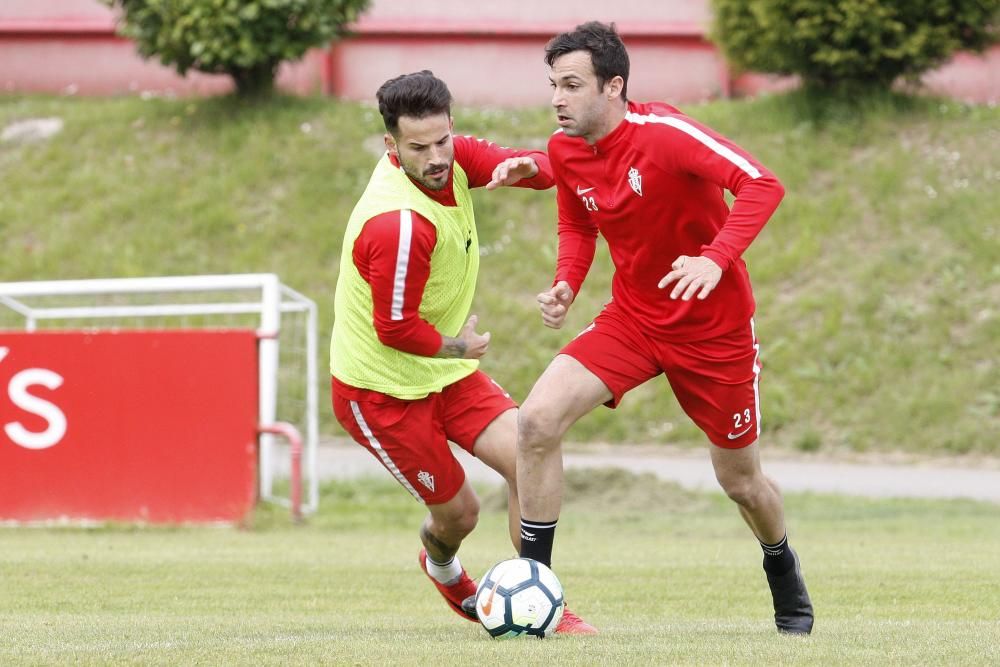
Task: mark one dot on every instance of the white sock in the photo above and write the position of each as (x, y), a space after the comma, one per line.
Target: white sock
(444, 573)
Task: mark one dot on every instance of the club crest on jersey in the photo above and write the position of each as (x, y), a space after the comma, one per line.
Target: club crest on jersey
(635, 180)
(426, 479)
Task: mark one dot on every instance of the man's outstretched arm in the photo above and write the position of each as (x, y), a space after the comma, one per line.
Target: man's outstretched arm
(492, 166)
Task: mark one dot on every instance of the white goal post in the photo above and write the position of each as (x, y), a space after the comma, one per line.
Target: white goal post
(288, 390)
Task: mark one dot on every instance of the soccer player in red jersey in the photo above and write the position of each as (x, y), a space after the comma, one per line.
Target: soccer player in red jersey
(651, 181)
(404, 351)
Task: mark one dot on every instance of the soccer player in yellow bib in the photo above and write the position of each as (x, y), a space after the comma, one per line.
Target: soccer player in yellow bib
(405, 350)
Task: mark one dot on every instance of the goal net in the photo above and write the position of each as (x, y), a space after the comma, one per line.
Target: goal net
(285, 322)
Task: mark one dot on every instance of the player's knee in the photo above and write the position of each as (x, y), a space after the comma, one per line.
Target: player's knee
(457, 520)
(536, 430)
(467, 521)
(457, 528)
(741, 489)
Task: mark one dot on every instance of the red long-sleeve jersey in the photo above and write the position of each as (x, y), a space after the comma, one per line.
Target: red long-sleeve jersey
(395, 277)
(653, 188)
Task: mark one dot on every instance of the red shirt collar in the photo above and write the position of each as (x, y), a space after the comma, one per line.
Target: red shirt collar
(614, 136)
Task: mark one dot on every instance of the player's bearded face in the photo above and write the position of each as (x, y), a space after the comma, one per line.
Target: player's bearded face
(581, 105)
(424, 148)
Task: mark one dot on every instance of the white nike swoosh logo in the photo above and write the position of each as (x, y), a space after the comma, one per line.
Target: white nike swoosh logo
(583, 192)
(733, 437)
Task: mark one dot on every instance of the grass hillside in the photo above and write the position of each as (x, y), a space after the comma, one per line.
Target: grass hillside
(878, 280)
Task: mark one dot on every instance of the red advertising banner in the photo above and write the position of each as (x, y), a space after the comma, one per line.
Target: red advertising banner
(157, 426)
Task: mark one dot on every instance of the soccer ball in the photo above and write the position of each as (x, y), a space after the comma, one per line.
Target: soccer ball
(519, 596)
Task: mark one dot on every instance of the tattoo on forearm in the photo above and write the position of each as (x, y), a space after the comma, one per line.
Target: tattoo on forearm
(436, 549)
(451, 348)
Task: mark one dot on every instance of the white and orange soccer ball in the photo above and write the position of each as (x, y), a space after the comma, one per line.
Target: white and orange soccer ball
(519, 596)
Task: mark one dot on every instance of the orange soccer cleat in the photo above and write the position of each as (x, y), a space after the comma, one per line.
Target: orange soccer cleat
(455, 592)
(571, 624)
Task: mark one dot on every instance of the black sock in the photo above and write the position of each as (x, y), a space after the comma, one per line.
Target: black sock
(536, 540)
(778, 557)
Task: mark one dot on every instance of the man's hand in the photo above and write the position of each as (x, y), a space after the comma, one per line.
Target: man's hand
(511, 170)
(468, 345)
(554, 304)
(692, 274)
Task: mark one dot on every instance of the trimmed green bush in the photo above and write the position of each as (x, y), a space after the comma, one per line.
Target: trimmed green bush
(852, 44)
(246, 39)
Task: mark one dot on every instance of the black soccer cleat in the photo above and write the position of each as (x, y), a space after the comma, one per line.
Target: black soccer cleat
(793, 611)
(469, 607)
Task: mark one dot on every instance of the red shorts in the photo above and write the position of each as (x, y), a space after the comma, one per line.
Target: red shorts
(410, 438)
(714, 380)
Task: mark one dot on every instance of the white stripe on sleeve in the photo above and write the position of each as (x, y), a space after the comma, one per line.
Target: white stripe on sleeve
(691, 130)
(402, 262)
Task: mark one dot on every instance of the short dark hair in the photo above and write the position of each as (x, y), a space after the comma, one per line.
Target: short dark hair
(602, 42)
(417, 95)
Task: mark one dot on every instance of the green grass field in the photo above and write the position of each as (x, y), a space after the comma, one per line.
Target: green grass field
(877, 280)
(670, 577)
